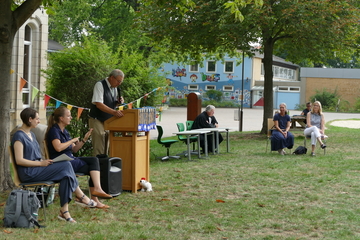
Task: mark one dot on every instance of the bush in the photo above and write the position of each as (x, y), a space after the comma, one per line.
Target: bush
(214, 95)
(178, 102)
(328, 100)
(73, 72)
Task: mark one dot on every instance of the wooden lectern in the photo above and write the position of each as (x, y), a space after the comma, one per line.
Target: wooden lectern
(130, 142)
(193, 105)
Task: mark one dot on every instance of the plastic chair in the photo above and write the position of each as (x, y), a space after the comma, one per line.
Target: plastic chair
(182, 138)
(165, 143)
(189, 125)
(25, 185)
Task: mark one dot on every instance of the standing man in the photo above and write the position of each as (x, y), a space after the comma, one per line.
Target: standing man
(206, 119)
(106, 97)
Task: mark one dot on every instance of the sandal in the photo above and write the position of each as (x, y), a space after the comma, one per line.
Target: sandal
(62, 217)
(90, 204)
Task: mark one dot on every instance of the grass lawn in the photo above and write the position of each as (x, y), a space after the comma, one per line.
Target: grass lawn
(245, 194)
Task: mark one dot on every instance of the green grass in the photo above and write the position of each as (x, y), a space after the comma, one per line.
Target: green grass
(245, 194)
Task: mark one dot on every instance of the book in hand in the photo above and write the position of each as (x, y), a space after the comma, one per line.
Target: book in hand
(62, 157)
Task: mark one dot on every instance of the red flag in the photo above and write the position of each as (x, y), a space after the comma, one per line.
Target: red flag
(79, 113)
(22, 84)
(46, 100)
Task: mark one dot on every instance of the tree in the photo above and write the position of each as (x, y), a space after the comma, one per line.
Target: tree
(12, 17)
(313, 29)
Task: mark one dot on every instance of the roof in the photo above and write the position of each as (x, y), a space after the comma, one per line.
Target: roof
(54, 46)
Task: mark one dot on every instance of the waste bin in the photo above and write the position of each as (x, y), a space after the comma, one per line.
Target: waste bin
(111, 175)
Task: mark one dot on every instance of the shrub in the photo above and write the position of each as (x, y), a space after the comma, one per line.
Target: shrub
(328, 100)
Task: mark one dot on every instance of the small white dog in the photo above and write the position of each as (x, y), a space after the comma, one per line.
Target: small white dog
(146, 186)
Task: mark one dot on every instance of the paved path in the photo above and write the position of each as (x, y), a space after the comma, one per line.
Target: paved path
(225, 117)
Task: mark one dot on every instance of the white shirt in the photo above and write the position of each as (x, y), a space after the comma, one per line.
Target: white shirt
(98, 93)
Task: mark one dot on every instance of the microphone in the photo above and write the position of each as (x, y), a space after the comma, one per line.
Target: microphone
(119, 94)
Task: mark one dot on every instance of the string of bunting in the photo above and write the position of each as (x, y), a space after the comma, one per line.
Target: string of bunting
(35, 91)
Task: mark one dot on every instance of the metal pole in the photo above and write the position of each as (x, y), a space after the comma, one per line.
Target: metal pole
(242, 93)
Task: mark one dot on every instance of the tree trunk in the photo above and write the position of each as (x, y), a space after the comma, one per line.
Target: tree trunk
(268, 45)
(6, 43)
(10, 22)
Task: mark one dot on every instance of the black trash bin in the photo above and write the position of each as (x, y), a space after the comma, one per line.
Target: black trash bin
(111, 175)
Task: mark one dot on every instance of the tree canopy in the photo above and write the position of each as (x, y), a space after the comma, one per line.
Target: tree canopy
(314, 29)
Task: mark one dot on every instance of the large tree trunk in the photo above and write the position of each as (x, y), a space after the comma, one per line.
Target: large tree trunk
(6, 43)
(10, 22)
(268, 45)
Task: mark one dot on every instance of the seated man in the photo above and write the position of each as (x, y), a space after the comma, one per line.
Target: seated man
(306, 110)
(206, 119)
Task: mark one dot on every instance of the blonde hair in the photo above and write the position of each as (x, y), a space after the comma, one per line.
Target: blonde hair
(320, 107)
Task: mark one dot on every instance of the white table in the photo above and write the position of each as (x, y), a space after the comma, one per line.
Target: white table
(217, 131)
(190, 133)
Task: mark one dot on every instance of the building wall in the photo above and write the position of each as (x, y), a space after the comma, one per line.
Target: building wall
(38, 24)
(181, 78)
(345, 81)
(348, 89)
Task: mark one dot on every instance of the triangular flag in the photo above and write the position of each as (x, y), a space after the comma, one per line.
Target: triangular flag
(58, 103)
(34, 92)
(46, 100)
(130, 105)
(138, 103)
(121, 108)
(11, 71)
(69, 107)
(22, 84)
(79, 113)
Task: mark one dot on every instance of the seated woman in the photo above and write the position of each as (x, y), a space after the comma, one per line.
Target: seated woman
(59, 142)
(315, 126)
(31, 168)
(281, 137)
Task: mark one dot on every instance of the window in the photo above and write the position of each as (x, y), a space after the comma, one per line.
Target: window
(194, 68)
(27, 66)
(193, 87)
(227, 88)
(211, 66)
(288, 89)
(210, 87)
(229, 67)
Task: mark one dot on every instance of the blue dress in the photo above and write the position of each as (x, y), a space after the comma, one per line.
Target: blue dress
(56, 133)
(59, 172)
(278, 141)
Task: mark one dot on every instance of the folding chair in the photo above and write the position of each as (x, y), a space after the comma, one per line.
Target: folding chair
(165, 143)
(270, 128)
(25, 185)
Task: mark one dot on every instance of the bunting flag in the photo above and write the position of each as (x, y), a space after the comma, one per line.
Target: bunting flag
(58, 103)
(138, 103)
(79, 113)
(22, 84)
(11, 71)
(46, 100)
(34, 92)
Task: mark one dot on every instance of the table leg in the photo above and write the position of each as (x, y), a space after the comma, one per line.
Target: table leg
(227, 140)
(213, 142)
(217, 142)
(206, 145)
(188, 147)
